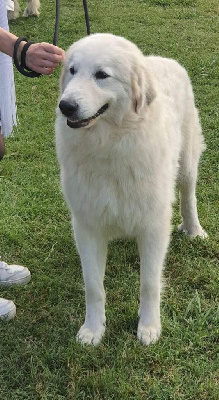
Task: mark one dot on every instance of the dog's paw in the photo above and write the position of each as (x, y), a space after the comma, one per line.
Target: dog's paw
(193, 232)
(148, 333)
(30, 13)
(90, 336)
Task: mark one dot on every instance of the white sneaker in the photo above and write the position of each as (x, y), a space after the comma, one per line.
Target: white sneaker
(7, 309)
(13, 274)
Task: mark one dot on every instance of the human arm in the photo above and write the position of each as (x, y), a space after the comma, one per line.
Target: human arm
(40, 57)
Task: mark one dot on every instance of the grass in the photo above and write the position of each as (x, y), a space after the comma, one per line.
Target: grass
(39, 357)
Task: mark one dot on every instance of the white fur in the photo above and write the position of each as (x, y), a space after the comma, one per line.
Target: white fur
(118, 173)
(32, 9)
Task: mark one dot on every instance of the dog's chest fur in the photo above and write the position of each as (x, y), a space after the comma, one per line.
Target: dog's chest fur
(112, 184)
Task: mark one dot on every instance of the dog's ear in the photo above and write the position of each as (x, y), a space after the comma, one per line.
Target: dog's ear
(142, 88)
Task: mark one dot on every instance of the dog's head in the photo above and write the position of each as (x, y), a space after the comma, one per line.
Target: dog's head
(104, 77)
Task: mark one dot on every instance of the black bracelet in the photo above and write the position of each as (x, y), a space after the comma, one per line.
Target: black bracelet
(21, 67)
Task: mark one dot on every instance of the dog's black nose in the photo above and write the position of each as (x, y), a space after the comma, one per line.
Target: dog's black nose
(69, 109)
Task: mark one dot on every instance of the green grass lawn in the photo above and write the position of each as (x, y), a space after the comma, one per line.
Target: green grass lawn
(39, 356)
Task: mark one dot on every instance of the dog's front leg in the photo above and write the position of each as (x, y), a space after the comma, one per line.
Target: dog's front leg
(92, 247)
(152, 246)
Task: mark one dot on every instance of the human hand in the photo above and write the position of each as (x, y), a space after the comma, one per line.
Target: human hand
(44, 57)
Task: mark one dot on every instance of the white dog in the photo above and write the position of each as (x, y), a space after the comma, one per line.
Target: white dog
(126, 128)
(32, 9)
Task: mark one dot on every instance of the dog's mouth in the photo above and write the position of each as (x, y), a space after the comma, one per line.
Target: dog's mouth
(80, 123)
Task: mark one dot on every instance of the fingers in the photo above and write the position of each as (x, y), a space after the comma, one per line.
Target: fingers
(50, 48)
(52, 53)
(44, 57)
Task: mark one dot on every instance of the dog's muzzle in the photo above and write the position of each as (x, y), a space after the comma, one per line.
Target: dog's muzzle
(70, 110)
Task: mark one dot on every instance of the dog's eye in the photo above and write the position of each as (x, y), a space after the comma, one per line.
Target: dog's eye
(101, 75)
(72, 71)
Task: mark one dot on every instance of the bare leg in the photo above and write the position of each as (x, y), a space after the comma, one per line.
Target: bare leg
(152, 245)
(92, 247)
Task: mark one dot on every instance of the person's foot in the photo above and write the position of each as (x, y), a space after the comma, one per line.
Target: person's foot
(7, 309)
(13, 274)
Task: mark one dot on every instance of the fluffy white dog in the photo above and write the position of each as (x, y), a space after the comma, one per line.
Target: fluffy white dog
(126, 128)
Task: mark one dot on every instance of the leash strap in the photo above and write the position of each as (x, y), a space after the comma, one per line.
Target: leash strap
(86, 17)
(23, 56)
(55, 37)
(21, 67)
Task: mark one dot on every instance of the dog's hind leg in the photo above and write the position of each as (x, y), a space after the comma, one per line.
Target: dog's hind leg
(192, 147)
(92, 247)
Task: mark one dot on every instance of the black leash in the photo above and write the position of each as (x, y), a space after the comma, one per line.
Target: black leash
(21, 66)
(55, 37)
(86, 17)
